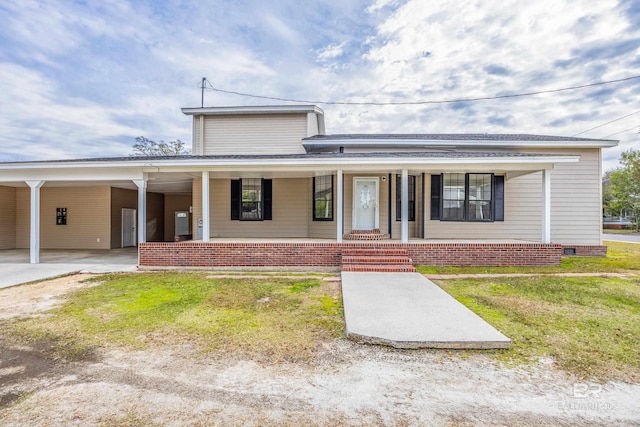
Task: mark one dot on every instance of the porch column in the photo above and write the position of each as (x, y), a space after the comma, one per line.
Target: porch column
(142, 209)
(404, 202)
(34, 238)
(546, 206)
(206, 226)
(339, 208)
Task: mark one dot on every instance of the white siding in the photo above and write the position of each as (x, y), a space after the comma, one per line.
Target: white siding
(254, 134)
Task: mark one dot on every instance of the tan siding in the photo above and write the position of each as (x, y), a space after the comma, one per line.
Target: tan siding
(23, 208)
(88, 218)
(291, 210)
(120, 198)
(196, 199)
(196, 149)
(396, 225)
(7, 217)
(155, 217)
(322, 229)
(255, 134)
(172, 204)
(575, 205)
(523, 214)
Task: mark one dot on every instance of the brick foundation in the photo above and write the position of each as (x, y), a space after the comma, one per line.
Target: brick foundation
(276, 254)
(586, 250)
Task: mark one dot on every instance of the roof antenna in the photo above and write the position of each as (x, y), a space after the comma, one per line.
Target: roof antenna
(202, 86)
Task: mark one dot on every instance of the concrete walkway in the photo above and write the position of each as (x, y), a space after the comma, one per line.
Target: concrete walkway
(634, 238)
(15, 268)
(406, 310)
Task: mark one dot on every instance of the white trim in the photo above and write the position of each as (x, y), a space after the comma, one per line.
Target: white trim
(206, 221)
(454, 143)
(34, 235)
(142, 209)
(405, 206)
(339, 207)
(376, 220)
(126, 166)
(546, 206)
(260, 109)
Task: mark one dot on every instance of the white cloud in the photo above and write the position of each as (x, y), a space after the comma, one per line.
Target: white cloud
(100, 73)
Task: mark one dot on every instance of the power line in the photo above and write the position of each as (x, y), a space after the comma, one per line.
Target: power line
(622, 131)
(445, 101)
(609, 122)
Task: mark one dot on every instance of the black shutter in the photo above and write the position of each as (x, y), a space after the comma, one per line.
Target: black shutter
(436, 188)
(236, 196)
(266, 193)
(498, 189)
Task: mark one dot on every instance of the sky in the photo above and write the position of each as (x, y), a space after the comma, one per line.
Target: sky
(84, 78)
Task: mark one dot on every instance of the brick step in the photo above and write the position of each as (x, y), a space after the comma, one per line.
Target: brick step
(379, 268)
(376, 260)
(366, 236)
(380, 252)
(372, 231)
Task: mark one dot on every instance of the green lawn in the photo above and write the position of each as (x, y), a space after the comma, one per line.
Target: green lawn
(589, 326)
(266, 319)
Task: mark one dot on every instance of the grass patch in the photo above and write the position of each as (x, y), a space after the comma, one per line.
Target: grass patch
(266, 319)
(621, 258)
(589, 326)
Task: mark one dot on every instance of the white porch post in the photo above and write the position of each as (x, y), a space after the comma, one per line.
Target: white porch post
(34, 239)
(339, 209)
(206, 226)
(142, 209)
(405, 206)
(546, 206)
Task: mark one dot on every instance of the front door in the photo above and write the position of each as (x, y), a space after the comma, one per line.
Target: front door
(128, 227)
(365, 203)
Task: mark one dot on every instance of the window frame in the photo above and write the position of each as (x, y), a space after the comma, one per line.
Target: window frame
(412, 198)
(314, 200)
(266, 200)
(465, 208)
(259, 203)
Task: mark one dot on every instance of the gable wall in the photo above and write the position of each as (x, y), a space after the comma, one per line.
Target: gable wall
(252, 134)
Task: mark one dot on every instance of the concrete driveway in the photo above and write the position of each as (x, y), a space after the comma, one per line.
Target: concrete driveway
(622, 238)
(15, 268)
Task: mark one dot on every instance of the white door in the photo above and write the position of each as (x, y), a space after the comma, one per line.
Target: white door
(128, 227)
(365, 203)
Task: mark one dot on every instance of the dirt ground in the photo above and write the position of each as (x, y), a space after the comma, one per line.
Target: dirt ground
(349, 384)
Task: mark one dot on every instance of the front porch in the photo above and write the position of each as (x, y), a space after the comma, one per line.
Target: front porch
(304, 253)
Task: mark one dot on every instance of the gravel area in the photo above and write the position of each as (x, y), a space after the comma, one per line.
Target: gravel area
(348, 384)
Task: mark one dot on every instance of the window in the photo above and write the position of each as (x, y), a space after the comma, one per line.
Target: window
(467, 197)
(412, 197)
(251, 199)
(323, 198)
(61, 216)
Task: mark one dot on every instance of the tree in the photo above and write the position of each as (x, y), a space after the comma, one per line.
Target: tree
(621, 188)
(148, 147)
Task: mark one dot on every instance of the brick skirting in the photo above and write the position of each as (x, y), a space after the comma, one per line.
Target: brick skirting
(585, 250)
(278, 254)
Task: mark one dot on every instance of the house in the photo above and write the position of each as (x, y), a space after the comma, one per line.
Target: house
(266, 186)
